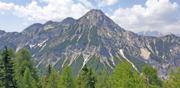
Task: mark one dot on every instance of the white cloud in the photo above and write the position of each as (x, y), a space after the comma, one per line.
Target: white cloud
(156, 15)
(54, 10)
(109, 2)
(105, 3)
(6, 6)
(87, 3)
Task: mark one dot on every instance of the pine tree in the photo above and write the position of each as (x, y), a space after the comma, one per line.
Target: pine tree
(49, 70)
(66, 79)
(125, 76)
(86, 78)
(50, 80)
(103, 80)
(28, 80)
(151, 77)
(1, 72)
(46, 78)
(174, 80)
(24, 61)
(53, 79)
(7, 66)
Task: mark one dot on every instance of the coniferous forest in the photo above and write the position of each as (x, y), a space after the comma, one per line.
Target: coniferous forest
(17, 70)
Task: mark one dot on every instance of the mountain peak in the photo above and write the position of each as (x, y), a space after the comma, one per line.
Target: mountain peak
(95, 17)
(95, 12)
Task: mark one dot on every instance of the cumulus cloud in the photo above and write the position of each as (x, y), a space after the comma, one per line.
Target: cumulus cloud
(108, 2)
(156, 15)
(6, 6)
(53, 9)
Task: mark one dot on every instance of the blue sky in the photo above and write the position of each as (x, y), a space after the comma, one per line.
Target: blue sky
(133, 15)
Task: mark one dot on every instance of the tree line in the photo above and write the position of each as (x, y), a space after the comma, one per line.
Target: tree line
(17, 71)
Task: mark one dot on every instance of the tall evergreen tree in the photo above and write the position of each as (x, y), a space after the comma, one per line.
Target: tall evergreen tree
(86, 78)
(45, 78)
(49, 70)
(125, 76)
(66, 79)
(50, 80)
(7, 66)
(1, 72)
(28, 80)
(174, 80)
(103, 80)
(53, 79)
(151, 77)
(24, 61)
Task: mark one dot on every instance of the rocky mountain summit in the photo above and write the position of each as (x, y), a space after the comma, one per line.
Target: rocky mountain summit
(95, 40)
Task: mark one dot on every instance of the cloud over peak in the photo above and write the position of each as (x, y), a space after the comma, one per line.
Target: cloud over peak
(53, 10)
(109, 2)
(153, 15)
(156, 15)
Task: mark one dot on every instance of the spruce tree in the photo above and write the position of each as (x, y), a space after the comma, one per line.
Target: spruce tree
(49, 70)
(66, 79)
(28, 80)
(103, 80)
(86, 78)
(151, 77)
(24, 61)
(7, 66)
(174, 80)
(50, 79)
(45, 78)
(1, 72)
(125, 76)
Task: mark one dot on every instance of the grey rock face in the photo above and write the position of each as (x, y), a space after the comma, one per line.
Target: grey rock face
(96, 40)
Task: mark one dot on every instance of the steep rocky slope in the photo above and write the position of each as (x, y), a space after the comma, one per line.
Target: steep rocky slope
(96, 40)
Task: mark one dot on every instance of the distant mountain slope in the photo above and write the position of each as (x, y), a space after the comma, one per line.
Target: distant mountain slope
(155, 33)
(96, 40)
(151, 33)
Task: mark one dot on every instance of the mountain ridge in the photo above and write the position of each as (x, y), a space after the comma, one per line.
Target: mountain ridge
(94, 38)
